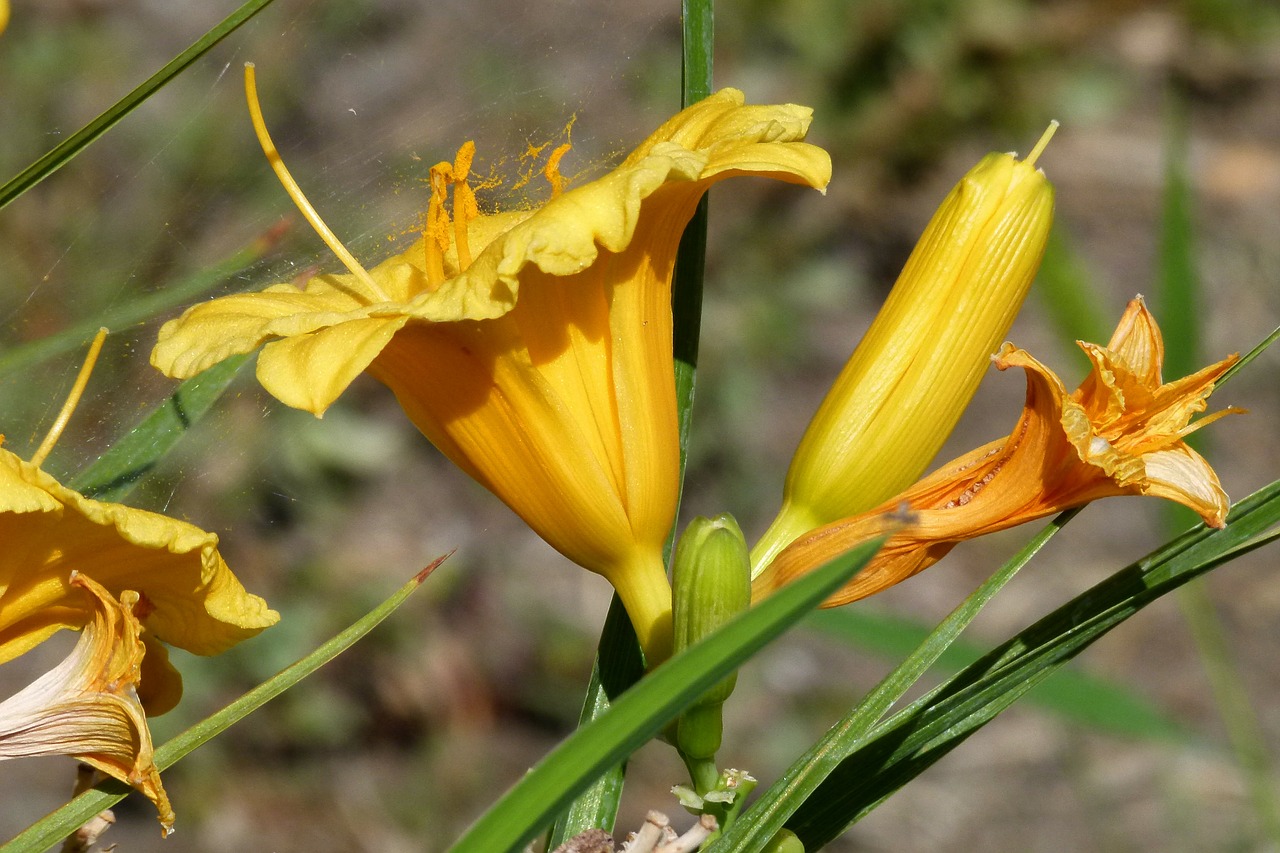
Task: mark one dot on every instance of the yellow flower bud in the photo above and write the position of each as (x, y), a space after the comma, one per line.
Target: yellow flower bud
(914, 372)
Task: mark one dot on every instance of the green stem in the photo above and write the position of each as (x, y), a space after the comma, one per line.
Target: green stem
(702, 772)
(686, 285)
(1181, 299)
(598, 806)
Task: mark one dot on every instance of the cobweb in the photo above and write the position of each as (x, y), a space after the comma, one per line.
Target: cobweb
(322, 518)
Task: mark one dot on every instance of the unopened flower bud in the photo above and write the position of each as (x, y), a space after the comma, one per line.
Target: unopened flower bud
(711, 584)
(919, 364)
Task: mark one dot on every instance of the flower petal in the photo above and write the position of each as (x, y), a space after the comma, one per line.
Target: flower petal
(1180, 474)
(207, 333)
(87, 706)
(195, 602)
(309, 371)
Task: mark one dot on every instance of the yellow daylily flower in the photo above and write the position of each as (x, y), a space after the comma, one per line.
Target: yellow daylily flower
(4, 14)
(1120, 433)
(188, 596)
(87, 706)
(914, 372)
(532, 347)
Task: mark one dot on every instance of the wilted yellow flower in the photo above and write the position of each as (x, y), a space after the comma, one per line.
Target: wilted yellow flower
(87, 707)
(1120, 433)
(532, 347)
(67, 561)
(188, 596)
(917, 367)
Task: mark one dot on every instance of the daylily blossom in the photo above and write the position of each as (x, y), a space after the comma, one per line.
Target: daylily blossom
(188, 596)
(1120, 433)
(917, 367)
(127, 578)
(87, 706)
(532, 347)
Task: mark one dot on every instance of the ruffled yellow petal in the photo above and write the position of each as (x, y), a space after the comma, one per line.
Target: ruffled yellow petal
(87, 707)
(212, 331)
(189, 597)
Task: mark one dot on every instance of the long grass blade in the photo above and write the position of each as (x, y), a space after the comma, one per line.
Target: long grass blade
(642, 711)
(59, 824)
(1071, 694)
(82, 138)
(139, 309)
(754, 830)
(117, 471)
(911, 741)
(1180, 304)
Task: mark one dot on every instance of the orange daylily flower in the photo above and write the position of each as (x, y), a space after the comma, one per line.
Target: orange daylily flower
(532, 347)
(87, 707)
(1120, 433)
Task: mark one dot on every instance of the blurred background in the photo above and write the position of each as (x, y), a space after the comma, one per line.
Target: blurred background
(400, 743)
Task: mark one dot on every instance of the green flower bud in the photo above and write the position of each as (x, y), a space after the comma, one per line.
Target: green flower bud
(711, 585)
(784, 842)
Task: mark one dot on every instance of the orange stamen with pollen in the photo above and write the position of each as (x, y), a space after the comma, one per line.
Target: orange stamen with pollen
(436, 235)
(465, 207)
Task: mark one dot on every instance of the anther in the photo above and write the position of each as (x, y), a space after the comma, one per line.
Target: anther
(435, 237)
(465, 207)
(552, 170)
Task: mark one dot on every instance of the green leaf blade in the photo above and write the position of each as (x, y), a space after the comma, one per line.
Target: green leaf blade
(60, 823)
(642, 711)
(65, 151)
(920, 735)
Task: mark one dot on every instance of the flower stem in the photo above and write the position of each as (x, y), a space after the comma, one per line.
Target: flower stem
(646, 593)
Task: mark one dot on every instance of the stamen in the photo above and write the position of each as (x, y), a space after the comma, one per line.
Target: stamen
(465, 207)
(295, 192)
(435, 237)
(552, 170)
(1208, 419)
(1044, 141)
(73, 399)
